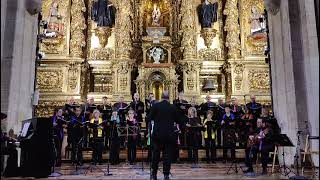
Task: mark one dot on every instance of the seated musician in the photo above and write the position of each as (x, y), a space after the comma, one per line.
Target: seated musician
(133, 138)
(138, 108)
(106, 111)
(77, 137)
(260, 141)
(254, 107)
(229, 133)
(97, 137)
(58, 124)
(114, 138)
(210, 137)
(193, 135)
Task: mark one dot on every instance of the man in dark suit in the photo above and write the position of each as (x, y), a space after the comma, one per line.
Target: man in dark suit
(254, 107)
(164, 115)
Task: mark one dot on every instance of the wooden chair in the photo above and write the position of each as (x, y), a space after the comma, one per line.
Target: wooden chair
(274, 153)
(308, 151)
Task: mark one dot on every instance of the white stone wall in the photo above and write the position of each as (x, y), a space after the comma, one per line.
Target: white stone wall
(294, 69)
(311, 68)
(17, 79)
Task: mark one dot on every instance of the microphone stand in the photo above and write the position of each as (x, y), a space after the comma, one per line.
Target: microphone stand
(53, 173)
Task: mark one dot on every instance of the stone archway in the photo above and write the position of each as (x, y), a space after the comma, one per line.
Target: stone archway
(164, 76)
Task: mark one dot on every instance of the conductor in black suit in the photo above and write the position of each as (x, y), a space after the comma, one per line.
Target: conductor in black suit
(164, 115)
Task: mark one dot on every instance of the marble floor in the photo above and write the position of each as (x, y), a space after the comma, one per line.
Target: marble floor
(179, 171)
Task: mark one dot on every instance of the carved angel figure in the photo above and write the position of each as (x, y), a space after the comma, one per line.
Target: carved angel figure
(156, 14)
(157, 54)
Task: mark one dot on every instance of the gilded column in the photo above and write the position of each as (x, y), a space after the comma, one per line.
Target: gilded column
(123, 29)
(226, 70)
(188, 42)
(78, 25)
(191, 65)
(122, 66)
(233, 29)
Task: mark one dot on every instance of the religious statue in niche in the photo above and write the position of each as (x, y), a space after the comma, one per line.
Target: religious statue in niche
(157, 54)
(103, 13)
(258, 33)
(257, 20)
(54, 19)
(207, 13)
(156, 14)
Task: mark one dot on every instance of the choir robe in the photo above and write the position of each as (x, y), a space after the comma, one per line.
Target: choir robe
(138, 108)
(122, 113)
(208, 106)
(237, 111)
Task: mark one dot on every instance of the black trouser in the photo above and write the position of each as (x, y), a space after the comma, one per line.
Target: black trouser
(233, 151)
(176, 153)
(132, 148)
(210, 149)
(149, 154)
(219, 135)
(58, 144)
(251, 155)
(76, 153)
(85, 136)
(193, 154)
(114, 150)
(97, 150)
(166, 156)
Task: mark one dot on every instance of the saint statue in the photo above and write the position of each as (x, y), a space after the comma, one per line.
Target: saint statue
(207, 13)
(103, 13)
(156, 14)
(257, 21)
(157, 54)
(54, 19)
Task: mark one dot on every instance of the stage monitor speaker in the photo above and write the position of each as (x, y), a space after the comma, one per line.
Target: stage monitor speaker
(298, 178)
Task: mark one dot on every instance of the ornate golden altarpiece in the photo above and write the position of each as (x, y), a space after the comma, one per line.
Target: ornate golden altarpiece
(84, 60)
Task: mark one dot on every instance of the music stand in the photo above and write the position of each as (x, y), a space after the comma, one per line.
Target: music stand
(284, 141)
(76, 172)
(142, 172)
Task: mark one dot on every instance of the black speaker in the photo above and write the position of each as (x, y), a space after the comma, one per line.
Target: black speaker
(298, 178)
(37, 151)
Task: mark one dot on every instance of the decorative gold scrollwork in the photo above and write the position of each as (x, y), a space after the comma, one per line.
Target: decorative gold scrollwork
(208, 34)
(259, 80)
(50, 81)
